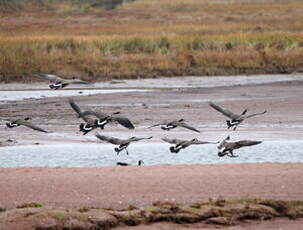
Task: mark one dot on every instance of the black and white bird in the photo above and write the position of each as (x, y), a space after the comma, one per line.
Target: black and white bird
(182, 144)
(12, 123)
(226, 148)
(235, 119)
(168, 125)
(59, 83)
(140, 162)
(123, 143)
(95, 119)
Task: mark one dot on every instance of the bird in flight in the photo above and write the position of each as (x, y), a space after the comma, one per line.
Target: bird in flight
(95, 119)
(168, 125)
(12, 123)
(123, 143)
(60, 83)
(235, 119)
(226, 148)
(182, 144)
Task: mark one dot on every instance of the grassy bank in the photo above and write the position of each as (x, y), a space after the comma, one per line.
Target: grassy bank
(214, 212)
(149, 38)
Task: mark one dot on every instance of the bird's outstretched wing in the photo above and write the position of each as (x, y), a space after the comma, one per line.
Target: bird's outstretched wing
(245, 143)
(97, 114)
(172, 141)
(123, 121)
(30, 125)
(140, 138)
(74, 106)
(76, 81)
(112, 140)
(51, 77)
(81, 114)
(156, 125)
(203, 142)
(184, 125)
(224, 111)
(255, 114)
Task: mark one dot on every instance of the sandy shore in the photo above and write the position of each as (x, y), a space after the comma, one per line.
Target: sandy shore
(118, 187)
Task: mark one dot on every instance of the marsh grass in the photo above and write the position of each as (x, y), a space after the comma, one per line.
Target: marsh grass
(30, 205)
(214, 211)
(150, 38)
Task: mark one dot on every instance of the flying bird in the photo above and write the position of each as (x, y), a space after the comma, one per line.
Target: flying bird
(12, 123)
(235, 119)
(182, 144)
(123, 143)
(140, 162)
(95, 119)
(227, 148)
(58, 82)
(112, 118)
(168, 125)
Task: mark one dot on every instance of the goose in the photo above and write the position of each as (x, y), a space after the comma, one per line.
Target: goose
(114, 118)
(140, 162)
(182, 144)
(97, 119)
(168, 125)
(60, 83)
(25, 122)
(123, 143)
(235, 119)
(90, 123)
(226, 148)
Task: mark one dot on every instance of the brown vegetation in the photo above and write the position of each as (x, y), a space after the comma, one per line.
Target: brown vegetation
(218, 212)
(150, 38)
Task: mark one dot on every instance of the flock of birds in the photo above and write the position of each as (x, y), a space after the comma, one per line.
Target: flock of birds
(96, 119)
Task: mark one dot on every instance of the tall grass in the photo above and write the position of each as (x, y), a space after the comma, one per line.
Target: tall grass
(106, 57)
(151, 37)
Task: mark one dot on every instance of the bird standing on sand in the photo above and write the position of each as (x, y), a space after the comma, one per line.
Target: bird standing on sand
(24, 122)
(168, 125)
(140, 162)
(182, 144)
(226, 148)
(60, 83)
(98, 119)
(123, 143)
(235, 119)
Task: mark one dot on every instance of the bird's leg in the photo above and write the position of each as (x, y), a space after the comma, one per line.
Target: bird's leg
(126, 150)
(235, 127)
(231, 154)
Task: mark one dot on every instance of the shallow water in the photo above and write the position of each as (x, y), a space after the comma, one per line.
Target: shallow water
(17, 91)
(95, 155)
(12, 95)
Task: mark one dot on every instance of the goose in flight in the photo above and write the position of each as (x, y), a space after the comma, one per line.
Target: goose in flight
(94, 119)
(123, 143)
(58, 82)
(227, 148)
(25, 122)
(182, 144)
(140, 162)
(168, 125)
(235, 119)
(114, 118)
